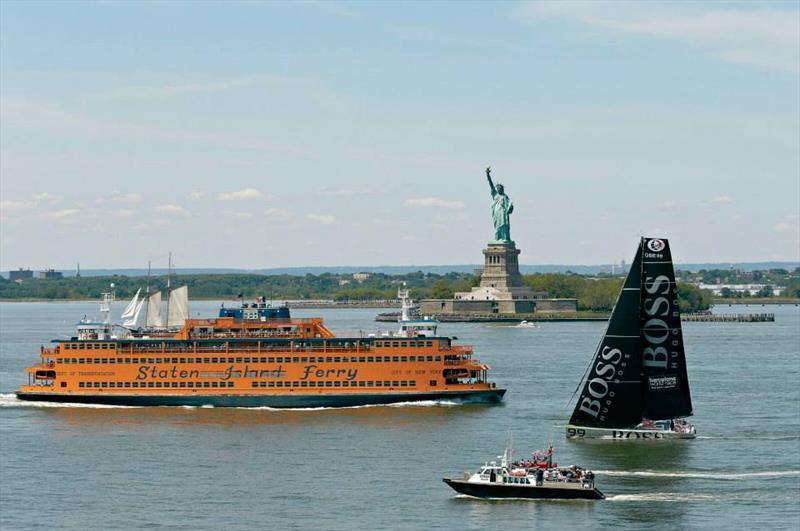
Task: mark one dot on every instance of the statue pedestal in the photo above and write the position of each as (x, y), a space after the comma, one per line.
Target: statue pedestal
(501, 267)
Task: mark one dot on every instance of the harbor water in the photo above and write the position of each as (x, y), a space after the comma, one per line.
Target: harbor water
(93, 467)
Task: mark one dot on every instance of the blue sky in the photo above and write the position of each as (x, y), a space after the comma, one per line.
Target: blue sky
(320, 133)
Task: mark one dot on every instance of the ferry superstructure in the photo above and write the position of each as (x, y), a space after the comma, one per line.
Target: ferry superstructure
(255, 356)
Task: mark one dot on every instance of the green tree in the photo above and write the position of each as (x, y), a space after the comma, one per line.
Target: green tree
(693, 299)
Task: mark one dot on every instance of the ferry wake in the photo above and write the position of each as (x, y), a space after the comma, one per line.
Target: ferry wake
(255, 355)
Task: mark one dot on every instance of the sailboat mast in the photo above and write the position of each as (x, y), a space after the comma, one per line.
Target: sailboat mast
(147, 294)
(169, 274)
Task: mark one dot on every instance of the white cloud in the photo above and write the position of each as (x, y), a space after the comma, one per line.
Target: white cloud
(61, 214)
(722, 200)
(783, 227)
(335, 192)
(124, 212)
(17, 205)
(44, 197)
(277, 212)
(181, 89)
(118, 197)
(239, 195)
(322, 219)
(171, 210)
(433, 202)
(763, 37)
(197, 195)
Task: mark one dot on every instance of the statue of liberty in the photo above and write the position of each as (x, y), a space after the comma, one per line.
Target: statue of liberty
(502, 207)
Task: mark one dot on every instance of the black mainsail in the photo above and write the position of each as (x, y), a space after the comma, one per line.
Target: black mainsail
(664, 378)
(639, 369)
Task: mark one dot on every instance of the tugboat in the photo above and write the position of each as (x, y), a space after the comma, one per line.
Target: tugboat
(536, 478)
(637, 385)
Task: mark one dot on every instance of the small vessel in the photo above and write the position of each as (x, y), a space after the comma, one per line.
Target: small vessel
(637, 386)
(527, 324)
(535, 478)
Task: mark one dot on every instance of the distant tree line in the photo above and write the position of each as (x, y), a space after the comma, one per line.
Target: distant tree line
(592, 293)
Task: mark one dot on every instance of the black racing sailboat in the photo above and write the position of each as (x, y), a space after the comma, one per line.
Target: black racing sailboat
(637, 386)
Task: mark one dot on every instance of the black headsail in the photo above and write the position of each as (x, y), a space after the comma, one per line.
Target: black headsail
(664, 379)
(612, 395)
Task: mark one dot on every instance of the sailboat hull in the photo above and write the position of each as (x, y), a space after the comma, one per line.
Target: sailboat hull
(627, 434)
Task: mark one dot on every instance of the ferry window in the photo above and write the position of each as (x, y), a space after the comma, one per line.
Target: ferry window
(345, 384)
(404, 344)
(151, 384)
(328, 384)
(280, 384)
(214, 384)
(272, 384)
(230, 384)
(127, 384)
(370, 383)
(438, 358)
(81, 384)
(96, 384)
(403, 358)
(378, 383)
(362, 383)
(395, 383)
(433, 383)
(104, 360)
(111, 360)
(296, 359)
(370, 359)
(60, 361)
(127, 360)
(112, 346)
(337, 384)
(214, 360)
(429, 343)
(238, 360)
(182, 384)
(247, 360)
(254, 384)
(312, 384)
(158, 360)
(337, 359)
(206, 384)
(303, 384)
(328, 359)
(230, 360)
(395, 343)
(377, 343)
(158, 384)
(104, 384)
(345, 359)
(361, 359)
(428, 358)
(295, 384)
(135, 360)
(395, 358)
(304, 360)
(412, 383)
(81, 360)
(403, 383)
(263, 360)
(279, 359)
(182, 360)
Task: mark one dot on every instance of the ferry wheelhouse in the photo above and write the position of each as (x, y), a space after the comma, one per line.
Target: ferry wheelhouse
(253, 356)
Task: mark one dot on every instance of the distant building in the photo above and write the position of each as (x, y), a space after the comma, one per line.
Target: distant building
(20, 275)
(360, 277)
(752, 289)
(343, 282)
(51, 274)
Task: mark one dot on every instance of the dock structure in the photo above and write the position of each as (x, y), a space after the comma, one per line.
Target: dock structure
(730, 317)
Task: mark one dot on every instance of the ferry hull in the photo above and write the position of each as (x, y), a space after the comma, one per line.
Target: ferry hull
(502, 490)
(626, 434)
(276, 401)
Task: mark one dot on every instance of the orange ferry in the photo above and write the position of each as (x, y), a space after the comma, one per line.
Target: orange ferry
(255, 356)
